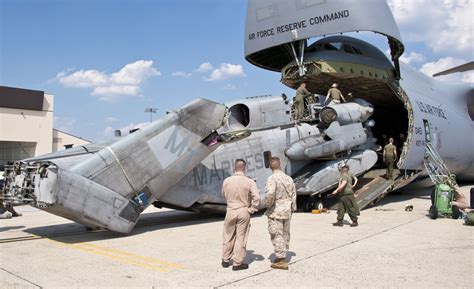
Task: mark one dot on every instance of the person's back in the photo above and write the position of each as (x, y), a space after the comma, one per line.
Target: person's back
(280, 200)
(389, 151)
(334, 94)
(242, 197)
(285, 195)
(236, 190)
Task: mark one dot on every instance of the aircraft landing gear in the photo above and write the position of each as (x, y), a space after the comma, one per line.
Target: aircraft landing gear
(313, 203)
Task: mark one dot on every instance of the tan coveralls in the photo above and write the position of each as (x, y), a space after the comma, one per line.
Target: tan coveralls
(301, 94)
(335, 96)
(390, 159)
(242, 196)
(280, 200)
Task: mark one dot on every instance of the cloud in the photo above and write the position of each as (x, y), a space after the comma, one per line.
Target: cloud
(412, 57)
(82, 78)
(109, 132)
(225, 71)
(112, 92)
(135, 73)
(111, 119)
(444, 26)
(66, 124)
(181, 74)
(229, 86)
(204, 67)
(125, 82)
(445, 63)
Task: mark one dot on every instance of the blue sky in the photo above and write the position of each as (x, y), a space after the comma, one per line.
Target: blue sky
(105, 61)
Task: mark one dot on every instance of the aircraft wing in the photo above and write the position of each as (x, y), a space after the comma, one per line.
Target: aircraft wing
(461, 68)
(110, 186)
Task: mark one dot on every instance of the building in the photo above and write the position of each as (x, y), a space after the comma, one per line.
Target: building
(26, 125)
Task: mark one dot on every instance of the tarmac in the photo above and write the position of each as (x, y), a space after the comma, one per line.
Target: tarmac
(390, 248)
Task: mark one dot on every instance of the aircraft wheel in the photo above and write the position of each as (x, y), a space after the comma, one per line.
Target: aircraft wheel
(456, 212)
(433, 212)
(319, 205)
(308, 206)
(433, 192)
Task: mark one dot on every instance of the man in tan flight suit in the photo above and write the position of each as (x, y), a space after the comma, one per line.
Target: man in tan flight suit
(334, 95)
(389, 158)
(280, 201)
(301, 94)
(242, 196)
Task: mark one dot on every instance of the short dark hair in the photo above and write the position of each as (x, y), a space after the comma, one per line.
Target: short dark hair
(240, 161)
(275, 159)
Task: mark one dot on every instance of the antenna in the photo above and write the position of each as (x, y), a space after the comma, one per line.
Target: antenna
(151, 110)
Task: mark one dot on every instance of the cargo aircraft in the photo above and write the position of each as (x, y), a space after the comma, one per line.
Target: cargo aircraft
(181, 160)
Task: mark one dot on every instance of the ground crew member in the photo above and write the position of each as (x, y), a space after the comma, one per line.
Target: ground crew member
(280, 201)
(460, 199)
(334, 95)
(301, 94)
(347, 201)
(242, 197)
(389, 158)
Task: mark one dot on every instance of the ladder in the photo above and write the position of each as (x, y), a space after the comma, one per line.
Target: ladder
(434, 165)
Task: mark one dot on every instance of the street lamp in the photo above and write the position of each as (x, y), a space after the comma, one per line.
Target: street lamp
(151, 110)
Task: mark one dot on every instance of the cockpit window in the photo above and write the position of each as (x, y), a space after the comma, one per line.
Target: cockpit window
(332, 46)
(356, 49)
(347, 48)
(336, 46)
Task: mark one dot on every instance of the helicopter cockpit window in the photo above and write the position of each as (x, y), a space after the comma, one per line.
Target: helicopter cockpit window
(347, 48)
(356, 49)
(332, 46)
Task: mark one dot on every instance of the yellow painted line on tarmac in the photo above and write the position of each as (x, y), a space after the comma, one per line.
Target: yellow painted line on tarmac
(114, 257)
(122, 256)
(147, 259)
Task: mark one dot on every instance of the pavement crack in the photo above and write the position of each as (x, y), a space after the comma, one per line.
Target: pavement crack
(323, 252)
(18, 276)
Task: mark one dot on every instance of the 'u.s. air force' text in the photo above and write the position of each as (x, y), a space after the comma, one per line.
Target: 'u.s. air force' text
(300, 24)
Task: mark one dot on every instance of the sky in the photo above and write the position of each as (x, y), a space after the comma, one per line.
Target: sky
(106, 61)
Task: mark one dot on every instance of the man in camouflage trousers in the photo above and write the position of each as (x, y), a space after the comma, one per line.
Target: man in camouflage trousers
(280, 201)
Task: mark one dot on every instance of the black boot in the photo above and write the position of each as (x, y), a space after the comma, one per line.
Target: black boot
(225, 264)
(242, 266)
(338, 224)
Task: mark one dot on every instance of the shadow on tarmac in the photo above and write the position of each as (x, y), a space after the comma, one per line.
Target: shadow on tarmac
(72, 233)
(4, 229)
(289, 255)
(251, 257)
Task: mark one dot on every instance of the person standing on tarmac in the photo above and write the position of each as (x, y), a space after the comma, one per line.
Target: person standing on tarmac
(242, 197)
(301, 94)
(389, 158)
(347, 202)
(280, 201)
(334, 95)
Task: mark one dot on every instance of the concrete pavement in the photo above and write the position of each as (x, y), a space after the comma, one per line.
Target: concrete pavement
(390, 248)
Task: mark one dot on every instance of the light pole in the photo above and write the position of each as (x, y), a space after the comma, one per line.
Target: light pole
(151, 110)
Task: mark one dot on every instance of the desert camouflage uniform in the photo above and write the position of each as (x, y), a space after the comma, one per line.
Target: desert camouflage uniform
(280, 200)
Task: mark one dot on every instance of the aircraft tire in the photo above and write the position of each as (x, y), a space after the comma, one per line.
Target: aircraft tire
(319, 205)
(456, 212)
(433, 192)
(308, 206)
(433, 212)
